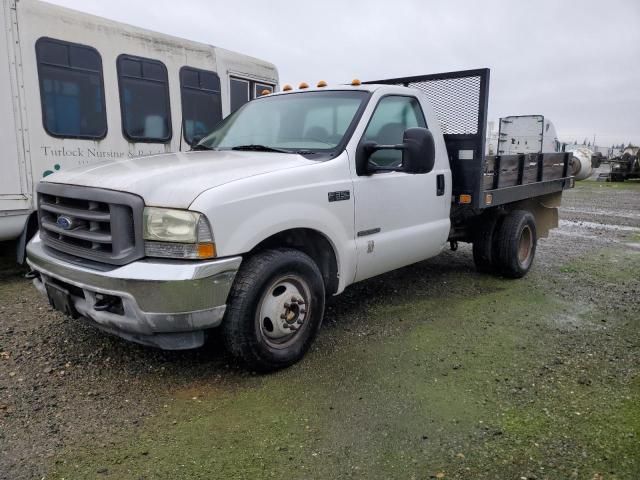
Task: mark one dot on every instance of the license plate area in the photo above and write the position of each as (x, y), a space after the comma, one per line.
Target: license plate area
(60, 299)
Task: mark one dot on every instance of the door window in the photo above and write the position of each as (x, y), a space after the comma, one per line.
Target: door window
(393, 115)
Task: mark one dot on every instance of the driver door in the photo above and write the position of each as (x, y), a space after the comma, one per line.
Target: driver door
(400, 218)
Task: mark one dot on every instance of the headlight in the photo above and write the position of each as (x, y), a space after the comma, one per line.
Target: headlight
(175, 233)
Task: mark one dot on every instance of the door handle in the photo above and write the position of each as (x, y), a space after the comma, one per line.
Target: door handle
(440, 185)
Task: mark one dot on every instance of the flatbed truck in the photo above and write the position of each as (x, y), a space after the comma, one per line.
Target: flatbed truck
(293, 197)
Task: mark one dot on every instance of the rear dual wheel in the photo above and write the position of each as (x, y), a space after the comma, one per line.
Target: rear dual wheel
(507, 244)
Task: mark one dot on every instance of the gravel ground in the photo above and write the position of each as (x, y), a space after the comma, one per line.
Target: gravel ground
(431, 371)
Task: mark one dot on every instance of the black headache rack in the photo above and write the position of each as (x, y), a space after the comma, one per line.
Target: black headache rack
(460, 101)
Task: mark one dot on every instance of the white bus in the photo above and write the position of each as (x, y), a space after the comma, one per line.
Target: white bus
(77, 89)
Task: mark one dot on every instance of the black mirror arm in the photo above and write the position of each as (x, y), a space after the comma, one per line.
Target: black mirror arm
(366, 167)
(374, 147)
(373, 168)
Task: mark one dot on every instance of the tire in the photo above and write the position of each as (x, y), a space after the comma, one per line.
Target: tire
(516, 243)
(282, 283)
(484, 251)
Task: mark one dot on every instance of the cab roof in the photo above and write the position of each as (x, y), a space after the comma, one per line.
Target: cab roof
(364, 88)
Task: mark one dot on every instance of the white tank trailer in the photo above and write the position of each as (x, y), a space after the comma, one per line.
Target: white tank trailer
(580, 164)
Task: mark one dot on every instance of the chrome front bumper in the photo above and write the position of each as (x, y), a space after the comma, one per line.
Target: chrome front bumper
(165, 303)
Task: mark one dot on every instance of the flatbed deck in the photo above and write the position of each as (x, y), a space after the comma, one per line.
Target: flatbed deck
(460, 101)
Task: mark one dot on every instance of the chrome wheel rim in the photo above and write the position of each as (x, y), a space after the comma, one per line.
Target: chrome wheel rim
(283, 311)
(525, 246)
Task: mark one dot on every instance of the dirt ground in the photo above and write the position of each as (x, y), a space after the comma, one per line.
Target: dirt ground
(431, 371)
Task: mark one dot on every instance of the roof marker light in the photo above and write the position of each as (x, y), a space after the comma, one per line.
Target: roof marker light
(287, 87)
(355, 82)
(322, 83)
(303, 85)
(265, 92)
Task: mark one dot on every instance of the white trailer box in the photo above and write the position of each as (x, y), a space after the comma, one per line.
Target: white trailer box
(527, 134)
(77, 89)
(15, 188)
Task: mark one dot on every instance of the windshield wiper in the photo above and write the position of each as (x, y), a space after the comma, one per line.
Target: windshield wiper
(259, 148)
(200, 146)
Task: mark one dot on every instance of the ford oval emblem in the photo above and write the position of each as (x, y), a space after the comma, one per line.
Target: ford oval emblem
(64, 222)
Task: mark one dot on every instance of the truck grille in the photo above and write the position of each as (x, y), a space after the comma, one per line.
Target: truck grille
(100, 225)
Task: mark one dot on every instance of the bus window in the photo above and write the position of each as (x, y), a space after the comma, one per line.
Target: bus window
(259, 88)
(239, 92)
(243, 90)
(201, 103)
(144, 99)
(71, 89)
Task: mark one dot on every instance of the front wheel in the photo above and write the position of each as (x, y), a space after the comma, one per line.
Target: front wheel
(275, 309)
(517, 241)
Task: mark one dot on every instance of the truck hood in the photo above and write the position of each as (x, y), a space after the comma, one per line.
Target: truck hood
(176, 179)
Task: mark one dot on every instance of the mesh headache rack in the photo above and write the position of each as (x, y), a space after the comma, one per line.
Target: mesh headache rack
(460, 101)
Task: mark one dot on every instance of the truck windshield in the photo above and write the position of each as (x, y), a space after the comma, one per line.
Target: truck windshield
(305, 122)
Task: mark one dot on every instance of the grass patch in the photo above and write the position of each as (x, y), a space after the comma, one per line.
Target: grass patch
(595, 185)
(610, 266)
(474, 383)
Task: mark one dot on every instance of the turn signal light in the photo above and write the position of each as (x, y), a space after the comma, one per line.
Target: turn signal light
(303, 85)
(464, 199)
(206, 250)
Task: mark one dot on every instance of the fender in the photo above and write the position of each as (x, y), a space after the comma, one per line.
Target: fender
(245, 213)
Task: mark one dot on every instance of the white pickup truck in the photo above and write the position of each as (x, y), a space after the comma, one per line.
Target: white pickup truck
(293, 197)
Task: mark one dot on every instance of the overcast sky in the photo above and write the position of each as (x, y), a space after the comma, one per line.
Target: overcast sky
(576, 62)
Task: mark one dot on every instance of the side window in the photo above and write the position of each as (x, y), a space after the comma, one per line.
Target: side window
(239, 92)
(393, 115)
(144, 99)
(71, 89)
(201, 103)
(243, 90)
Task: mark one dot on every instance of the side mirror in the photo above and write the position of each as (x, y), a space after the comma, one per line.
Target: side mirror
(419, 154)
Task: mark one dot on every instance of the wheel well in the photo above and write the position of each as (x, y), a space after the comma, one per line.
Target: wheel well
(314, 244)
(30, 229)
(544, 210)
